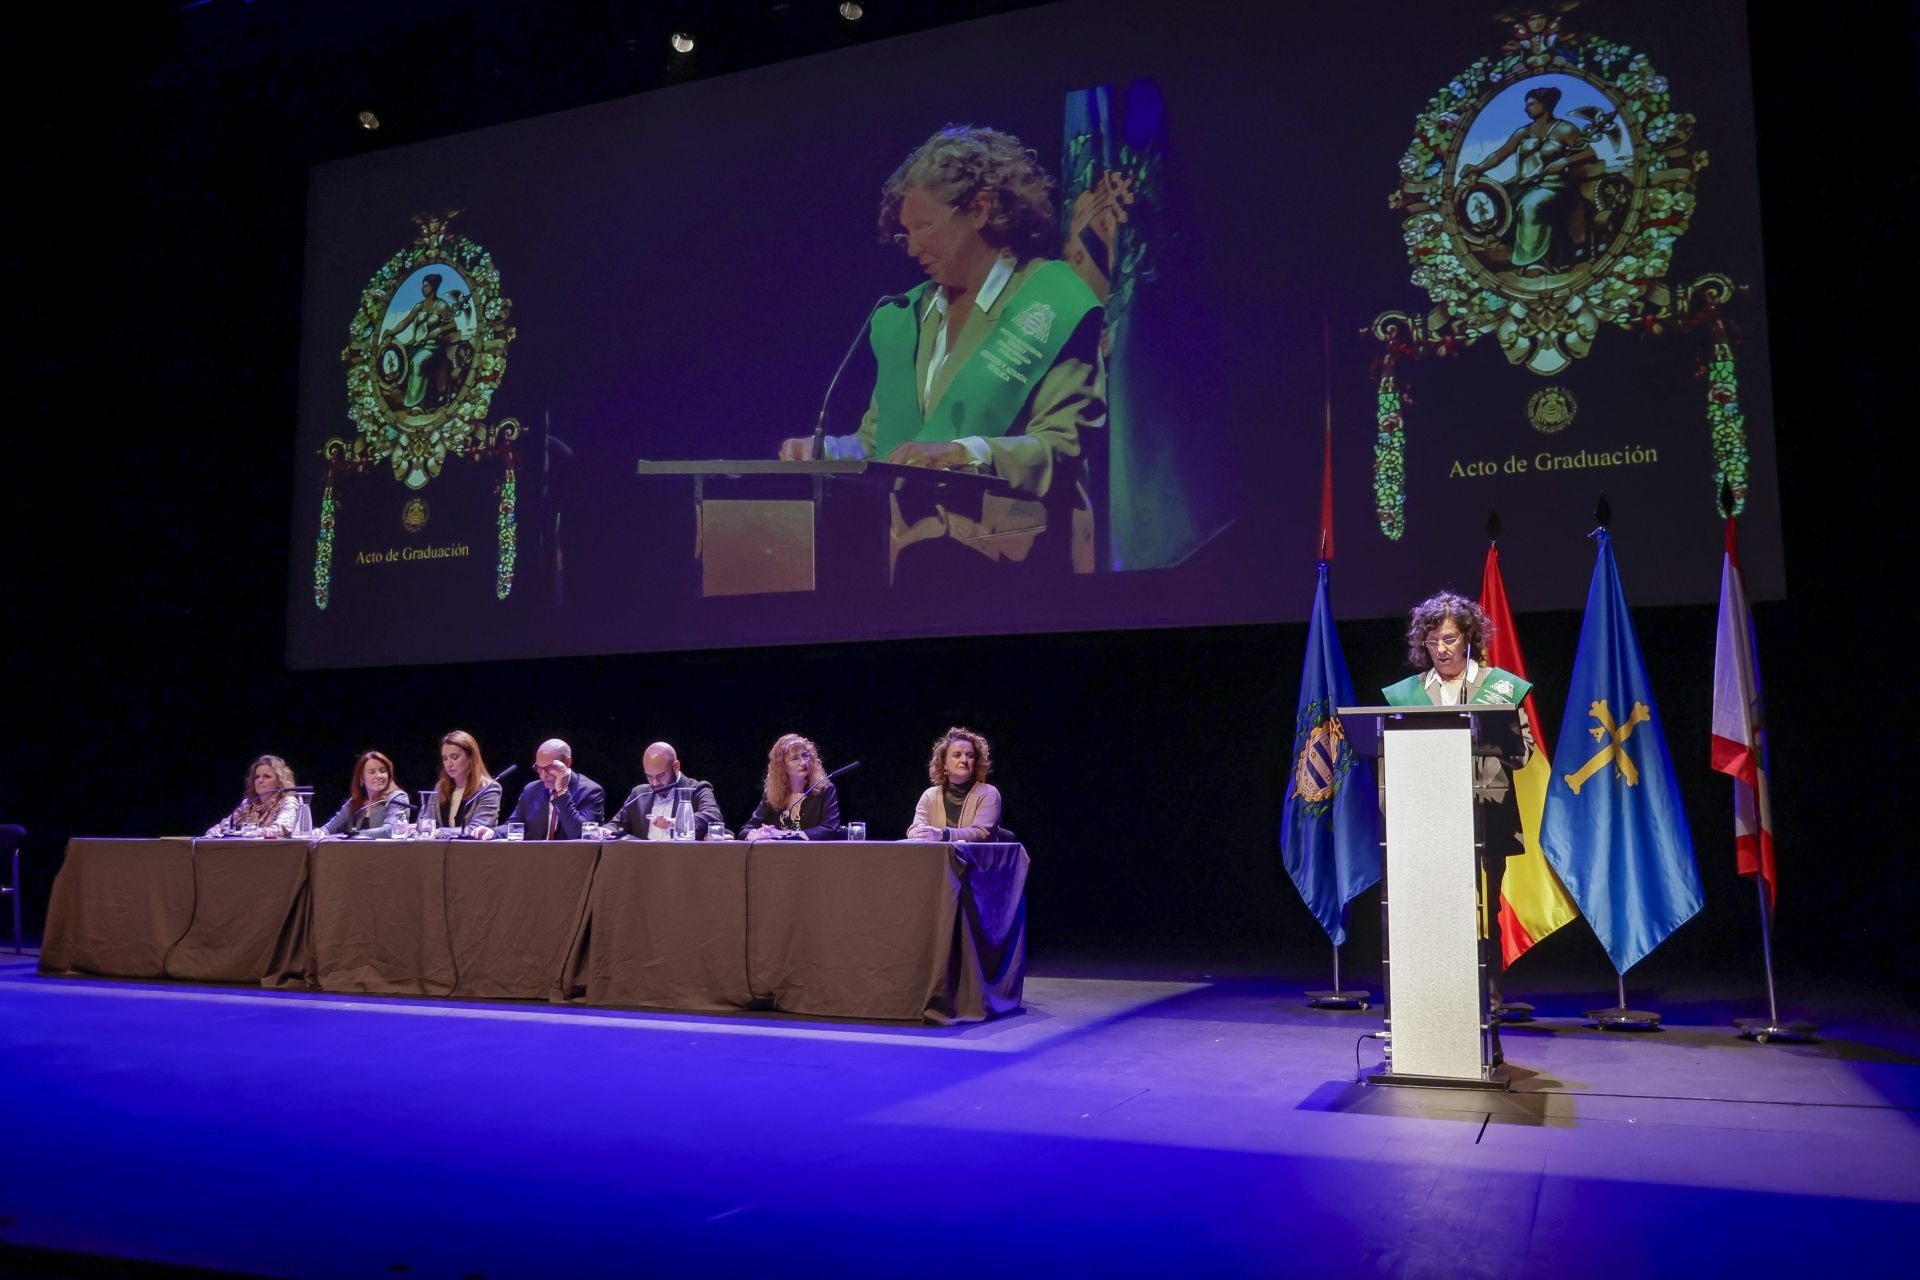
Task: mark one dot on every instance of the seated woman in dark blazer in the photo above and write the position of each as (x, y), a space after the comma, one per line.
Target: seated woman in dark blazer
(960, 805)
(798, 802)
(373, 804)
(469, 796)
(268, 804)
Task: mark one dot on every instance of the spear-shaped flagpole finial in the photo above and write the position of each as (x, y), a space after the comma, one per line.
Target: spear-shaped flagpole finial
(1493, 526)
(1726, 498)
(1603, 511)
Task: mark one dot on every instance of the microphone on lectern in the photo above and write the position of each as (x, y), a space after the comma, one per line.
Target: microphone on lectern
(820, 423)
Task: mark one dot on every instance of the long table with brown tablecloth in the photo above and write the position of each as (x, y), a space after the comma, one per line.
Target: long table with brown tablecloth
(900, 931)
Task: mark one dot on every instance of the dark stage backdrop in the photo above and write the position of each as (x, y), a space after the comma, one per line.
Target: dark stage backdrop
(1301, 233)
(147, 526)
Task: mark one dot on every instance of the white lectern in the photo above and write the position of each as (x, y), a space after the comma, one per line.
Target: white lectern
(1438, 1016)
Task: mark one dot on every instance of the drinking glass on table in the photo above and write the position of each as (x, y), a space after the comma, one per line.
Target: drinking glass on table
(516, 831)
(856, 831)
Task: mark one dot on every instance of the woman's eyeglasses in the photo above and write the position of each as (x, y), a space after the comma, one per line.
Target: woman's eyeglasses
(902, 238)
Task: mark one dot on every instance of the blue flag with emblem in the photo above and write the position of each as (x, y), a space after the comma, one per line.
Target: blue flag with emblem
(1614, 828)
(1330, 829)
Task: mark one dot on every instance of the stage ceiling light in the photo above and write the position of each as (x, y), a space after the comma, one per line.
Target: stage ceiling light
(681, 42)
(368, 120)
(851, 11)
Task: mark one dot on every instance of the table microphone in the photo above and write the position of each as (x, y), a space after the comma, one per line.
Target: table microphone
(845, 768)
(820, 424)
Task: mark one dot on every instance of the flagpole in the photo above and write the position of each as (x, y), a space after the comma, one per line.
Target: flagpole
(1763, 1030)
(1747, 796)
(1339, 997)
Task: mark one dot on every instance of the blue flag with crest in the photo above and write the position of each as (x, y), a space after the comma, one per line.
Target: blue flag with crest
(1330, 829)
(1614, 828)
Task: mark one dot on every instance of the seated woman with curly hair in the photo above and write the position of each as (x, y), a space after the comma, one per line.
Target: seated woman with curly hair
(992, 366)
(960, 805)
(798, 803)
(268, 804)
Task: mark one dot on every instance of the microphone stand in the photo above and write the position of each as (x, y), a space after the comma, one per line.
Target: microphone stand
(820, 423)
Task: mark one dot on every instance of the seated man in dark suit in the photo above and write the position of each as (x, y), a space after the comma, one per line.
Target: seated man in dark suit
(555, 805)
(650, 808)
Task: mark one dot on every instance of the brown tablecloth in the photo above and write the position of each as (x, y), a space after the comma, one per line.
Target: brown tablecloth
(896, 931)
(666, 927)
(516, 909)
(246, 897)
(903, 931)
(117, 906)
(442, 918)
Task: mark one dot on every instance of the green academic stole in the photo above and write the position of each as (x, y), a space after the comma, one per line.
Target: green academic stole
(1498, 688)
(986, 393)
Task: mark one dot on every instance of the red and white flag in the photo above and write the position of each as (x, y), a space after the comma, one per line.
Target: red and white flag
(1739, 724)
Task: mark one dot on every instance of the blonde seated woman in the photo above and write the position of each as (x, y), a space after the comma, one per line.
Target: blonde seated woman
(797, 803)
(267, 804)
(960, 805)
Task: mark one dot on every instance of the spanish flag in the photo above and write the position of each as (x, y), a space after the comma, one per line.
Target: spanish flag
(1533, 903)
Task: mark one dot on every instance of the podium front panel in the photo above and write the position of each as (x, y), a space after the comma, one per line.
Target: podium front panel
(753, 547)
(1432, 918)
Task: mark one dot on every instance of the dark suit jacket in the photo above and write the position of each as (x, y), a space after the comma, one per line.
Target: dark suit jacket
(819, 814)
(635, 814)
(582, 801)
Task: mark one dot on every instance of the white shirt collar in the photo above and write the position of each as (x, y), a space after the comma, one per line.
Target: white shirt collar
(1433, 677)
(990, 289)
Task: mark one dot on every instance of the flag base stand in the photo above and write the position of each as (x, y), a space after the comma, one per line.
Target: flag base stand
(1621, 1018)
(1513, 1011)
(1340, 999)
(1763, 1030)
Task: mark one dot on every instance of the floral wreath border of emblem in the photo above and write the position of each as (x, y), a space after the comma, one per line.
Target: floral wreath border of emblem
(1625, 287)
(415, 448)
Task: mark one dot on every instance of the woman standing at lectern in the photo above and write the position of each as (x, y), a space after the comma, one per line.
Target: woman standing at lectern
(960, 805)
(1447, 645)
(797, 803)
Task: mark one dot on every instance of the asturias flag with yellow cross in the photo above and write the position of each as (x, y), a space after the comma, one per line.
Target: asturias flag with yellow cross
(1614, 827)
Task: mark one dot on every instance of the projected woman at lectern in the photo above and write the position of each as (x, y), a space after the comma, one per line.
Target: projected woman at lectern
(991, 367)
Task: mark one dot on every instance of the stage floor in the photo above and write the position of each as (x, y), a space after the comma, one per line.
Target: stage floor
(1191, 1123)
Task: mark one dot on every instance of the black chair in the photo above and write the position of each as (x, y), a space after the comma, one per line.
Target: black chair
(11, 838)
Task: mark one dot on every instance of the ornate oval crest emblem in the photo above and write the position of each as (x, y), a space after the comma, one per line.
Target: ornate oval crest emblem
(1543, 192)
(1552, 409)
(413, 516)
(426, 350)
